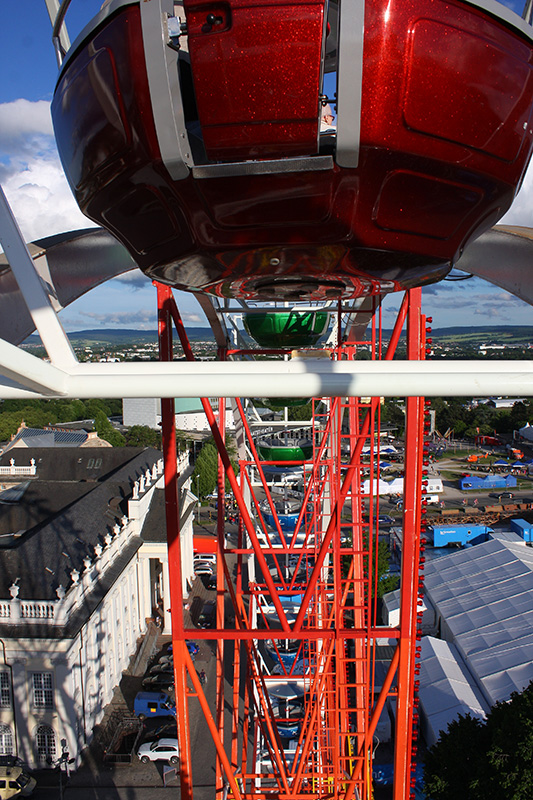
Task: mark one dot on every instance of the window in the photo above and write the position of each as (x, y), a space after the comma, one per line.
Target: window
(6, 741)
(46, 744)
(43, 695)
(5, 690)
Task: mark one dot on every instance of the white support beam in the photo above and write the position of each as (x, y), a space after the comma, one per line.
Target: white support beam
(32, 374)
(32, 288)
(296, 378)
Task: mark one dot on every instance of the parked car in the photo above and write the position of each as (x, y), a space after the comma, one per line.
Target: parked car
(160, 750)
(15, 779)
(167, 662)
(153, 704)
(209, 581)
(210, 557)
(383, 519)
(207, 618)
(167, 730)
(161, 667)
(161, 680)
(15, 782)
(502, 495)
(203, 568)
(192, 647)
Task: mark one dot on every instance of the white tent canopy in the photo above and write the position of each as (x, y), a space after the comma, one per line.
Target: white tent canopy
(527, 432)
(446, 689)
(482, 596)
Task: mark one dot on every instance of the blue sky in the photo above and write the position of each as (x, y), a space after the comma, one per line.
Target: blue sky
(32, 178)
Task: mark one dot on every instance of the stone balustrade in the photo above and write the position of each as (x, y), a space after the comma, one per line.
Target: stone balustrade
(13, 470)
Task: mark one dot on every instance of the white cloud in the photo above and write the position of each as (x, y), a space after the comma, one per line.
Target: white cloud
(31, 173)
(24, 118)
(134, 280)
(142, 318)
(42, 202)
(192, 317)
(521, 212)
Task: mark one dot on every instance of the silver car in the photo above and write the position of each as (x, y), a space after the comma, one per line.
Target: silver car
(160, 750)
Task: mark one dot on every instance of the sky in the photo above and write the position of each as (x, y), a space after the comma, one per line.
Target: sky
(33, 181)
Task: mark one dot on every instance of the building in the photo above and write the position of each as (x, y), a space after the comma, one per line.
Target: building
(190, 415)
(81, 573)
(479, 603)
(446, 689)
(477, 626)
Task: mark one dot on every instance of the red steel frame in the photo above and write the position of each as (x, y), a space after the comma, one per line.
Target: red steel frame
(334, 630)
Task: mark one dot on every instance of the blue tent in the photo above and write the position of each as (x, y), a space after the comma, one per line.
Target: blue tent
(500, 463)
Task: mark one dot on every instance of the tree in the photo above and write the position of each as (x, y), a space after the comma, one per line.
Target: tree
(450, 412)
(393, 415)
(301, 413)
(478, 430)
(381, 564)
(503, 422)
(204, 476)
(485, 760)
(40, 413)
(9, 424)
(206, 468)
(520, 414)
(143, 436)
(106, 431)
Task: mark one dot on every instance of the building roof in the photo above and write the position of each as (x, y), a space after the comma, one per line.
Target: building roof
(63, 517)
(155, 524)
(483, 594)
(446, 688)
(46, 437)
(72, 464)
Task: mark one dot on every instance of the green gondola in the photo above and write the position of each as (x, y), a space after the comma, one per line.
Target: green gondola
(287, 328)
(301, 450)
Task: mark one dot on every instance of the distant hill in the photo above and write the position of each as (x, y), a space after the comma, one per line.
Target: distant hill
(122, 336)
(479, 334)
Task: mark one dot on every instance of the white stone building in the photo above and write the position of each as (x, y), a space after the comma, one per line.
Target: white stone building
(80, 576)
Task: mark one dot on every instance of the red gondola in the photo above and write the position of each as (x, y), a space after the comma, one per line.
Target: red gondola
(195, 139)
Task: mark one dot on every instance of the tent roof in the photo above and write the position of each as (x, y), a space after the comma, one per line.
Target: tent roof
(446, 688)
(483, 594)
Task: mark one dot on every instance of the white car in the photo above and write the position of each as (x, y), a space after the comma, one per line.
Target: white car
(210, 557)
(160, 750)
(204, 568)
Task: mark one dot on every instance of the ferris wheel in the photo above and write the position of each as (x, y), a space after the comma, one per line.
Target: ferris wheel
(195, 135)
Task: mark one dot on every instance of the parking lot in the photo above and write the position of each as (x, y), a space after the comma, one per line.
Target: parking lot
(98, 780)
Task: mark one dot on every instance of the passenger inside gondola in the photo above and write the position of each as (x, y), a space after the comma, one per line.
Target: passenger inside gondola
(327, 124)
